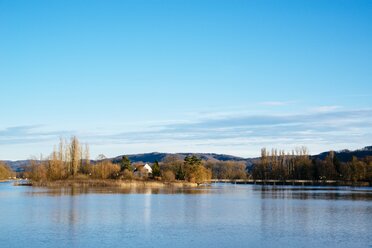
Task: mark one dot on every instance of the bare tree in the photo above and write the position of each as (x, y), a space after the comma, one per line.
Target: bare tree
(75, 155)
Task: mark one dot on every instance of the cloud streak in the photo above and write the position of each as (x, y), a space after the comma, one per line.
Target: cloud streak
(274, 125)
(241, 135)
(318, 130)
(275, 103)
(28, 134)
(326, 108)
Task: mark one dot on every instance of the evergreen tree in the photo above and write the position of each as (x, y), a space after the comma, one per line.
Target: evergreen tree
(156, 170)
(180, 173)
(191, 165)
(337, 165)
(125, 164)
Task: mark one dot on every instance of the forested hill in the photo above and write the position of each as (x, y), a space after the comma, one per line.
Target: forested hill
(17, 165)
(347, 155)
(156, 156)
(343, 156)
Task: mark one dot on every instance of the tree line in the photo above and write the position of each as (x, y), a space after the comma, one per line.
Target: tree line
(71, 160)
(298, 165)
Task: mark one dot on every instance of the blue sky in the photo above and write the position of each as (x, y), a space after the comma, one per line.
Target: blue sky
(185, 76)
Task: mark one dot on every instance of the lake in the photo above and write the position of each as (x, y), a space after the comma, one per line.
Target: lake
(222, 215)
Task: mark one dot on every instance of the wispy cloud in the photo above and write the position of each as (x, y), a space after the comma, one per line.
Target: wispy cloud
(241, 135)
(275, 103)
(28, 134)
(326, 108)
(17, 130)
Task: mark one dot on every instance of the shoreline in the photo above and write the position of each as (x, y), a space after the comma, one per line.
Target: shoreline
(109, 183)
(176, 184)
(273, 182)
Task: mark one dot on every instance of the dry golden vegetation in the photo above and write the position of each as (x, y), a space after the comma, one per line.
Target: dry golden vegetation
(5, 172)
(71, 161)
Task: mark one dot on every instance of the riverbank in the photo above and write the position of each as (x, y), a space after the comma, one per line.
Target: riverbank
(294, 182)
(108, 183)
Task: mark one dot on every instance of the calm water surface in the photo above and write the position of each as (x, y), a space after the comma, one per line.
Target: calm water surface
(222, 215)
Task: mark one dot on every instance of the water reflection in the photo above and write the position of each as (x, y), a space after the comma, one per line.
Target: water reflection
(73, 216)
(222, 215)
(320, 193)
(78, 190)
(147, 208)
(265, 191)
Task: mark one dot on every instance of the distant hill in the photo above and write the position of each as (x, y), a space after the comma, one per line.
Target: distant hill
(17, 166)
(343, 156)
(156, 156)
(147, 158)
(347, 155)
(144, 157)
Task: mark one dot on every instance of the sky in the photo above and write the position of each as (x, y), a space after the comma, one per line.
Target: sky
(226, 77)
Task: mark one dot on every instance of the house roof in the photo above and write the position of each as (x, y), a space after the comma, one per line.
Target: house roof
(146, 167)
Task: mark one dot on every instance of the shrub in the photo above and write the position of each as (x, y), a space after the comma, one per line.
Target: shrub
(37, 172)
(127, 175)
(168, 176)
(105, 170)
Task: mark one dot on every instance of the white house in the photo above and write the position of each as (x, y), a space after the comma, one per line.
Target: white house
(143, 170)
(148, 168)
